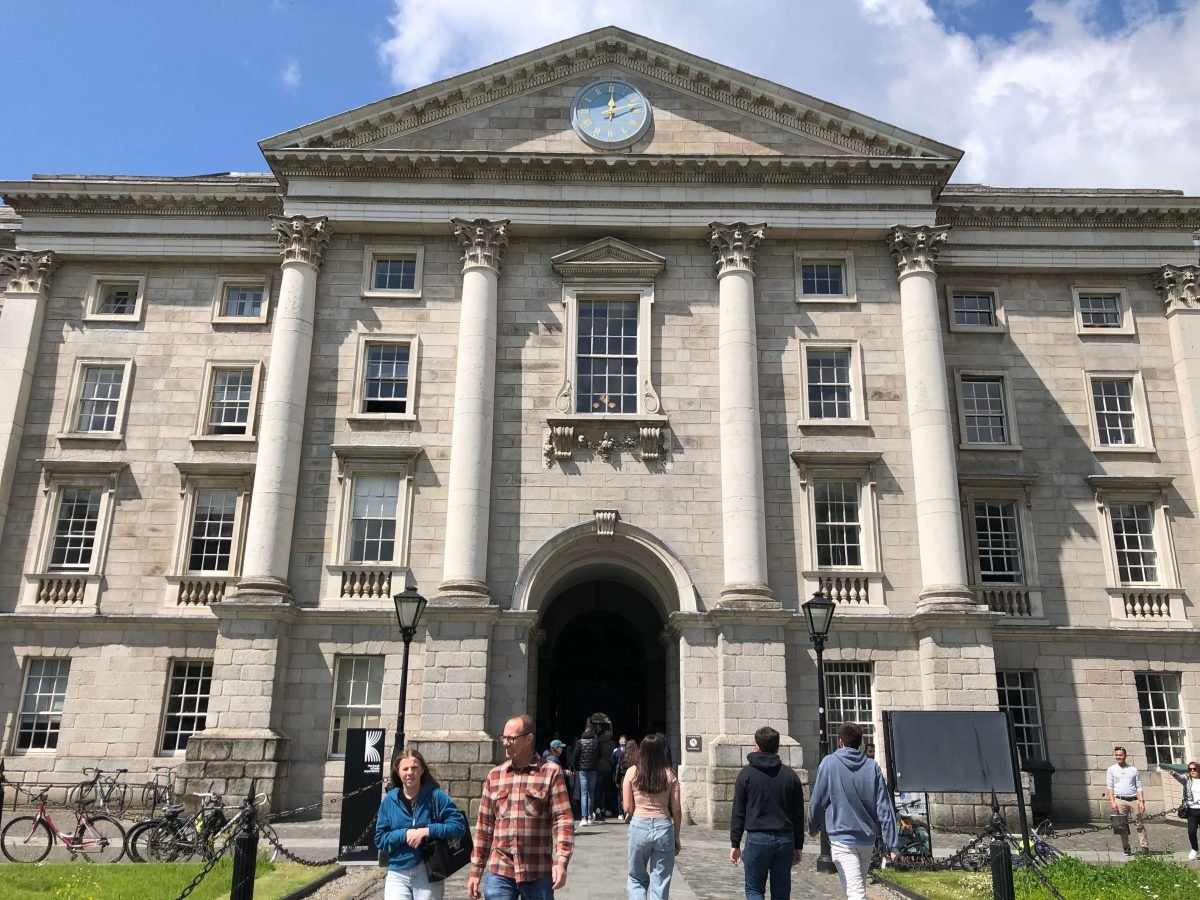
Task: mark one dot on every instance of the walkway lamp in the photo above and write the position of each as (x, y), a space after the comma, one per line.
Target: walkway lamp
(818, 613)
(409, 606)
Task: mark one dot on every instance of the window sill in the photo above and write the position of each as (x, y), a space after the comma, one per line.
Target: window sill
(833, 423)
(1002, 448)
(1123, 451)
(605, 435)
(240, 320)
(124, 320)
(844, 299)
(91, 437)
(978, 329)
(215, 440)
(1123, 331)
(382, 417)
(391, 295)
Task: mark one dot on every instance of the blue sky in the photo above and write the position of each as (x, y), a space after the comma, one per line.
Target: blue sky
(1086, 93)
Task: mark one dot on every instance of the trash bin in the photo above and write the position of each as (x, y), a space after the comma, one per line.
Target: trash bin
(1041, 796)
(1120, 823)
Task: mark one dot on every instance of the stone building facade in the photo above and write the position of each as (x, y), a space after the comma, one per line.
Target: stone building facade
(617, 397)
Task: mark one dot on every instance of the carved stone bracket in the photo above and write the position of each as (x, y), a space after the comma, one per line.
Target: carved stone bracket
(566, 436)
(606, 523)
(27, 271)
(483, 241)
(302, 239)
(1179, 286)
(916, 249)
(734, 245)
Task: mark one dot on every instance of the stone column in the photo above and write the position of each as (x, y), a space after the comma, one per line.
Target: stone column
(302, 243)
(468, 502)
(930, 421)
(26, 276)
(1179, 287)
(743, 510)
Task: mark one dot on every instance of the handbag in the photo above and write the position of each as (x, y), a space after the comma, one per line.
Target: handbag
(445, 856)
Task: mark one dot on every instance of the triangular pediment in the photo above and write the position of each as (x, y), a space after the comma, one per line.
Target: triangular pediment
(521, 105)
(608, 257)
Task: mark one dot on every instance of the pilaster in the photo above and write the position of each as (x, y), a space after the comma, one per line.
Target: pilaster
(743, 508)
(1179, 287)
(26, 276)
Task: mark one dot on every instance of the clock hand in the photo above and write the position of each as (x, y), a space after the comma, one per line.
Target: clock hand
(620, 109)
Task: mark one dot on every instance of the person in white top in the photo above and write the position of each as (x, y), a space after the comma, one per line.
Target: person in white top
(1126, 798)
(1191, 799)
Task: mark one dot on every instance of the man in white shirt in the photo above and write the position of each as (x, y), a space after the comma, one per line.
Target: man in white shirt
(1126, 798)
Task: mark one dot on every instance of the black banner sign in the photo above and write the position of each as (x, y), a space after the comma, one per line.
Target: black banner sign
(364, 765)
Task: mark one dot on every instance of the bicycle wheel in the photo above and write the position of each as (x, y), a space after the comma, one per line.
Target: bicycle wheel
(102, 841)
(25, 839)
(173, 840)
(268, 849)
(83, 793)
(137, 840)
(118, 800)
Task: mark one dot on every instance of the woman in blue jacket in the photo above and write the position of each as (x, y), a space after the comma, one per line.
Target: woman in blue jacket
(410, 814)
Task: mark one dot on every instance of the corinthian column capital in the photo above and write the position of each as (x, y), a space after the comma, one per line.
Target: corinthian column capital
(27, 271)
(916, 249)
(483, 241)
(302, 239)
(1179, 287)
(735, 244)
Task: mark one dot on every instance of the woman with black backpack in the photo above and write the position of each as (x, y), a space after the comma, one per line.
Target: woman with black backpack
(587, 756)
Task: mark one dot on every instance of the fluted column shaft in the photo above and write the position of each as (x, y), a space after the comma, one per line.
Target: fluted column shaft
(468, 501)
(281, 427)
(26, 276)
(930, 418)
(743, 509)
(1179, 287)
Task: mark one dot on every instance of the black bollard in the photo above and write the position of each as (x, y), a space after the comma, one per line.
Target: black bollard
(245, 852)
(1000, 856)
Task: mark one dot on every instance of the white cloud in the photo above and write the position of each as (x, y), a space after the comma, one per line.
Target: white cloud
(1062, 103)
(291, 74)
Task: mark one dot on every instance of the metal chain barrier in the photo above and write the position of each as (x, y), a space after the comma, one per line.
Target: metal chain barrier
(320, 804)
(273, 839)
(208, 867)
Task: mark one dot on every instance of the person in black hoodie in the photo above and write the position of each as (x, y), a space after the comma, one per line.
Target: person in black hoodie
(768, 806)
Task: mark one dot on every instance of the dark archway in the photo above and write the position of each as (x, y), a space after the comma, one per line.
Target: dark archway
(601, 653)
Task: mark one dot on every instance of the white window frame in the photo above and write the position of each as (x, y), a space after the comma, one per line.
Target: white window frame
(196, 477)
(52, 714)
(1143, 431)
(211, 368)
(1018, 490)
(1151, 491)
(858, 410)
(225, 283)
(1179, 731)
(360, 375)
(333, 711)
(1013, 441)
(377, 252)
(833, 699)
(1127, 326)
(1001, 322)
(96, 286)
(167, 714)
(1027, 688)
(70, 422)
(844, 258)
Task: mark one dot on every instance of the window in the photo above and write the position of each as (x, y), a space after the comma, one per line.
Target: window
(975, 309)
(983, 411)
(1133, 539)
(187, 703)
(998, 542)
(373, 519)
(386, 381)
(825, 277)
(42, 704)
(1018, 696)
(1162, 717)
(357, 697)
(376, 509)
(99, 391)
(998, 526)
(76, 524)
(831, 383)
(211, 543)
(607, 357)
(848, 699)
(241, 299)
(836, 514)
(1120, 421)
(1136, 530)
(115, 298)
(1102, 312)
(230, 401)
(392, 271)
(210, 531)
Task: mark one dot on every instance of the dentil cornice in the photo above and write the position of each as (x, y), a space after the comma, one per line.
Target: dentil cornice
(483, 241)
(1179, 287)
(916, 249)
(302, 239)
(734, 245)
(27, 271)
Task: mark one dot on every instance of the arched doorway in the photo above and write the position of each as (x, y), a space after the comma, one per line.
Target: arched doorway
(601, 653)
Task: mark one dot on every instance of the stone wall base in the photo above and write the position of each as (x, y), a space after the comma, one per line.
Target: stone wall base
(460, 760)
(727, 757)
(227, 761)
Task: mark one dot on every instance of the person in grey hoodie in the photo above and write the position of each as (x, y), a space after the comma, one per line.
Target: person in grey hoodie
(768, 806)
(851, 801)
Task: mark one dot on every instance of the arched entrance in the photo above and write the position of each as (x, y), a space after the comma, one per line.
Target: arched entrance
(601, 652)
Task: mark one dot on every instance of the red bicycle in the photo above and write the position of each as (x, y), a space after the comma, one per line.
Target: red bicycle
(95, 838)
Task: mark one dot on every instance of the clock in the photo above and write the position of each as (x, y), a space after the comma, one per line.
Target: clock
(610, 114)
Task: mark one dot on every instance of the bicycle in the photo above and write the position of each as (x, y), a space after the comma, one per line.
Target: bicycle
(217, 831)
(157, 791)
(102, 790)
(175, 837)
(1041, 852)
(29, 838)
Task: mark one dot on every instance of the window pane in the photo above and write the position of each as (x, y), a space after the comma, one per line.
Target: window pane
(828, 384)
(848, 699)
(187, 703)
(1158, 702)
(822, 278)
(385, 385)
(99, 398)
(974, 309)
(75, 529)
(373, 519)
(1018, 696)
(242, 301)
(838, 533)
(395, 274)
(229, 404)
(358, 689)
(1113, 399)
(212, 531)
(1133, 538)
(117, 299)
(1100, 310)
(984, 415)
(42, 704)
(998, 540)
(606, 361)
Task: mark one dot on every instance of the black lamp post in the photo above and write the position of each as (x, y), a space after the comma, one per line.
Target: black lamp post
(818, 613)
(409, 606)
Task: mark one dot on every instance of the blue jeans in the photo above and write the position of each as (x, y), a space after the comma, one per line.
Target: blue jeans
(497, 887)
(651, 858)
(587, 792)
(768, 853)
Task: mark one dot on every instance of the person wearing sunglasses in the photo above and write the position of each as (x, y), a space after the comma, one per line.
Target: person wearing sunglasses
(1191, 800)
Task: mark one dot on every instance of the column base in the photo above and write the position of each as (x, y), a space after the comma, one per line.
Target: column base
(230, 759)
(747, 595)
(260, 590)
(461, 761)
(948, 598)
(462, 592)
(726, 759)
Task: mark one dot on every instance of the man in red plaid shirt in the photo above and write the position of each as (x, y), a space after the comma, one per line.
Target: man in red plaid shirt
(525, 832)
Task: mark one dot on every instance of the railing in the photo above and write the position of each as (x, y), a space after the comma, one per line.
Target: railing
(61, 590)
(202, 591)
(1019, 602)
(849, 590)
(368, 584)
(1147, 604)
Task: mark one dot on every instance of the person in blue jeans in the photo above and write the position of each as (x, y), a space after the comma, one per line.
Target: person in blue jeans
(587, 756)
(768, 808)
(650, 794)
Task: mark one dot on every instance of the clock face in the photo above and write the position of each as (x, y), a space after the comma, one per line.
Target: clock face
(610, 114)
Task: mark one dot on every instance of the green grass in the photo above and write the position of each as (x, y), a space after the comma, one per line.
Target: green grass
(1138, 879)
(147, 881)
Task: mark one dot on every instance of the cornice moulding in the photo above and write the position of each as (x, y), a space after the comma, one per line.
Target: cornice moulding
(1181, 216)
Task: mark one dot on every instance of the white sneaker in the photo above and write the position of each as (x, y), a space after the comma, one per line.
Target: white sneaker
(1192, 855)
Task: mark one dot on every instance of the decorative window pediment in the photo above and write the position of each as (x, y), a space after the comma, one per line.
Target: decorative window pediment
(608, 258)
